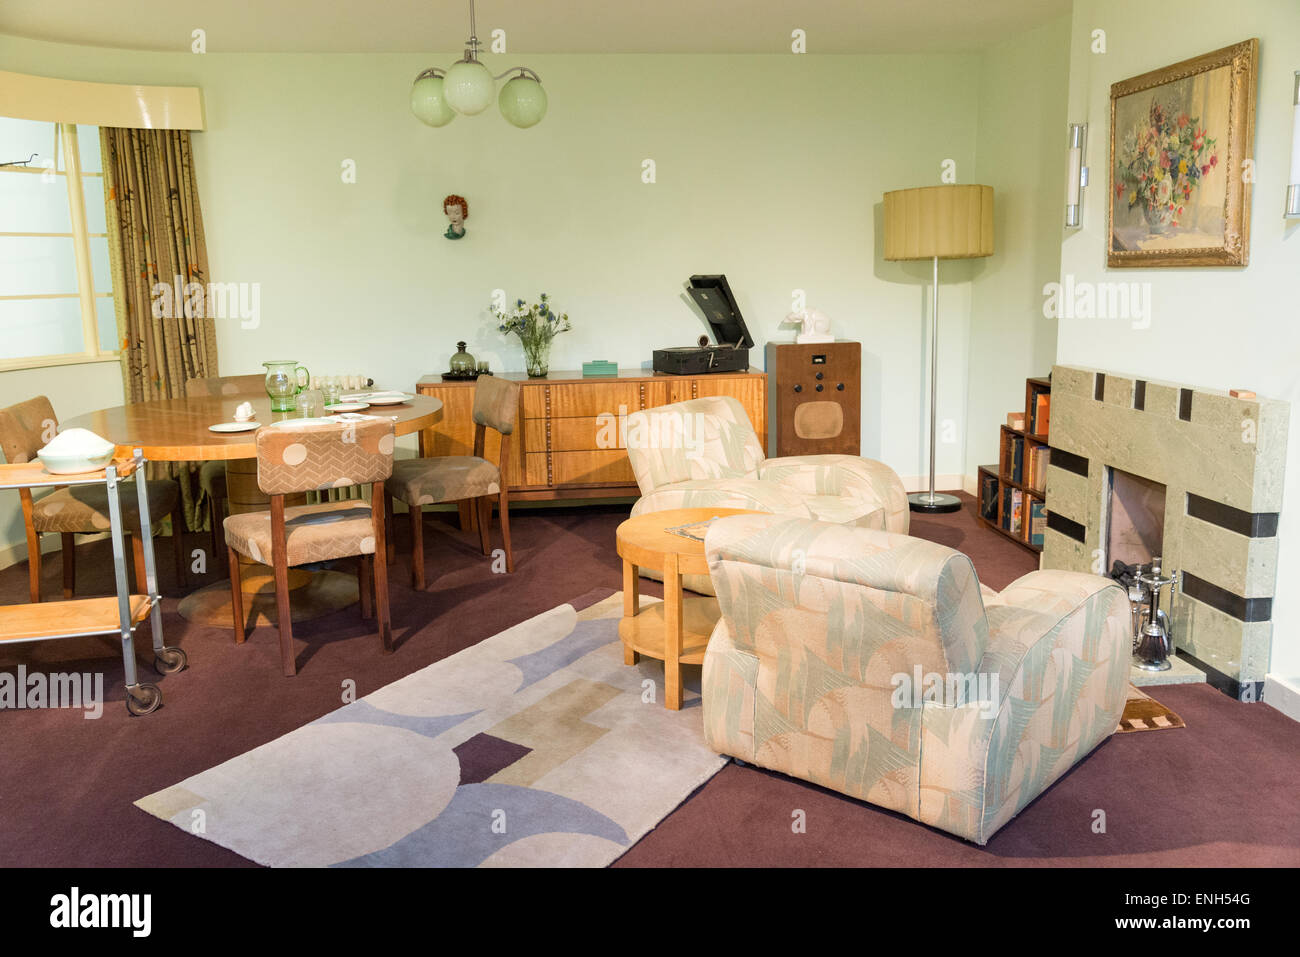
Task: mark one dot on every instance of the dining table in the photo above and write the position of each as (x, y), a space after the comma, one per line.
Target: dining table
(179, 430)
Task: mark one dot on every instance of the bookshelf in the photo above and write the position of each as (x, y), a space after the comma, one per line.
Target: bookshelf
(1010, 496)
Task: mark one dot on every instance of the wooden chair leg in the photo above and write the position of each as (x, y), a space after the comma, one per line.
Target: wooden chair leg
(280, 563)
(33, 564)
(484, 508)
(417, 547)
(466, 508)
(363, 584)
(137, 562)
(503, 507)
(380, 581)
(236, 595)
(388, 523)
(69, 564)
(178, 545)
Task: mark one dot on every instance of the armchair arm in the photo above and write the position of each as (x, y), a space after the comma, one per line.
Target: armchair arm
(1058, 659)
(847, 476)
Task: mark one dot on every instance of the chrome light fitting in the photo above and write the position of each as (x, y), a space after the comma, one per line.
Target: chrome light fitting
(1076, 175)
(1293, 182)
(467, 87)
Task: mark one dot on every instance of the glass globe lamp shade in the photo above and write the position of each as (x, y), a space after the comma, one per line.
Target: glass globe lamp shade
(469, 87)
(428, 102)
(522, 102)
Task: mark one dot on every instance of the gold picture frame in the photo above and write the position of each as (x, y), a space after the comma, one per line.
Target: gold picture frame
(1181, 142)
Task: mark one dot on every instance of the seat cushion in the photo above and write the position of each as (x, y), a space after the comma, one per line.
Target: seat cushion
(212, 479)
(84, 508)
(723, 493)
(446, 478)
(846, 511)
(313, 533)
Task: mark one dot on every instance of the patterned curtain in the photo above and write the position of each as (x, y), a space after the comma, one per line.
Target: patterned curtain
(156, 239)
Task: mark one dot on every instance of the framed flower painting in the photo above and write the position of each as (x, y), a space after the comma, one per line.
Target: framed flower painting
(1181, 141)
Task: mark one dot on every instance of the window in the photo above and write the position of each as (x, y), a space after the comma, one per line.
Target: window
(56, 287)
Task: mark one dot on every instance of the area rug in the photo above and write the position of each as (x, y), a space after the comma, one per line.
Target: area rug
(535, 747)
(1144, 713)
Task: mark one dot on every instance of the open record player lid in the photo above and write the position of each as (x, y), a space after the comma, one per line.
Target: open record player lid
(713, 296)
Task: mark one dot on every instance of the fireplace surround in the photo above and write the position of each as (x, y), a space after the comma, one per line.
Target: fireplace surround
(1221, 460)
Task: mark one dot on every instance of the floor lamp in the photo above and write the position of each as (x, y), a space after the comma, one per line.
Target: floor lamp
(937, 222)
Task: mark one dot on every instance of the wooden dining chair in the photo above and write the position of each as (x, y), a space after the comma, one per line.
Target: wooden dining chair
(25, 429)
(294, 458)
(212, 474)
(462, 478)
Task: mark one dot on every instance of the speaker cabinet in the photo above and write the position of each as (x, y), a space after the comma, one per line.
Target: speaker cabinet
(814, 398)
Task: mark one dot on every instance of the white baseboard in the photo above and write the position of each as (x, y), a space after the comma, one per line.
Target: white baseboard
(1283, 694)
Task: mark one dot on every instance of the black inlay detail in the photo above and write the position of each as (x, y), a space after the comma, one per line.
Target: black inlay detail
(1243, 609)
(1216, 679)
(1099, 387)
(1068, 461)
(1140, 395)
(1066, 526)
(1250, 524)
(1185, 404)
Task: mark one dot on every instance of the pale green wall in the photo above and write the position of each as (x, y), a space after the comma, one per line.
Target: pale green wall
(1020, 152)
(770, 169)
(1217, 328)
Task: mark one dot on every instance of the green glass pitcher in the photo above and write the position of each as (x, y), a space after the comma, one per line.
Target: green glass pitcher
(284, 380)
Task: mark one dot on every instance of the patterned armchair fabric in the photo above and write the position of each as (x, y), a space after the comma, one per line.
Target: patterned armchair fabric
(704, 453)
(871, 663)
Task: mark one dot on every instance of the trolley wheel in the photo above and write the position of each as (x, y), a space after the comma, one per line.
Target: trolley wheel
(170, 660)
(143, 698)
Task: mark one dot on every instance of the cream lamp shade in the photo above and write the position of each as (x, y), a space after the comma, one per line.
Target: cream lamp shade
(947, 222)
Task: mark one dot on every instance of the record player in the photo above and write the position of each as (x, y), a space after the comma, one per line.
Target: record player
(729, 353)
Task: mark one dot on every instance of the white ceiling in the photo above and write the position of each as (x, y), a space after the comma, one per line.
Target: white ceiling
(532, 26)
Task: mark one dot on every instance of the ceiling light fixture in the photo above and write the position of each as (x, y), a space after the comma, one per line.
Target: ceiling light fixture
(467, 87)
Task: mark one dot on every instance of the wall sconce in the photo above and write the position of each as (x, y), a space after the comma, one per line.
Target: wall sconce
(1076, 176)
(1293, 189)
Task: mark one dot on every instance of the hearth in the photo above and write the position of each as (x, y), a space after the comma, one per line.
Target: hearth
(1141, 469)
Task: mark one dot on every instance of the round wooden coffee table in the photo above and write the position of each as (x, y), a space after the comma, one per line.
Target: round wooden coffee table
(676, 630)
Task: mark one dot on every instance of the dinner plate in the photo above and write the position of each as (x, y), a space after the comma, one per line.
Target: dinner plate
(346, 407)
(390, 399)
(234, 426)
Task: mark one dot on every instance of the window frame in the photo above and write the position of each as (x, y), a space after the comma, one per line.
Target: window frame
(67, 141)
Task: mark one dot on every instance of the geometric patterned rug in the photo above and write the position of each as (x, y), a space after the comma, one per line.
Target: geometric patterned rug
(536, 747)
(1144, 713)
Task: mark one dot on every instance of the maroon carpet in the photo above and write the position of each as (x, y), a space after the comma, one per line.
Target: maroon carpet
(1220, 791)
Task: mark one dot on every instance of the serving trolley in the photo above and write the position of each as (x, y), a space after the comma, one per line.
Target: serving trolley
(107, 616)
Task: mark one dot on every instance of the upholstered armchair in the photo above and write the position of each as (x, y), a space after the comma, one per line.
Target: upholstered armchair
(874, 664)
(704, 453)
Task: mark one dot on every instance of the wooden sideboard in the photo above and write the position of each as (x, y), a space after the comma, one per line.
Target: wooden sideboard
(569, 443)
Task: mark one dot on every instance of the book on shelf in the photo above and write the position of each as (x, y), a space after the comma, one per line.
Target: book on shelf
(1042, 407)
(1017, 511)
(989, 498)
(1037, 522)
(1037, 477)
(1006, 507)
(1018, 459)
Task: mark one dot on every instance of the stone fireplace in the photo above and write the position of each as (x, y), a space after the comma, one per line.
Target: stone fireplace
(1195, 473)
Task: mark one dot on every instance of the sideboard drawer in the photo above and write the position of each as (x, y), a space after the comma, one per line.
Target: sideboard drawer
(574, 434)
(581, 399)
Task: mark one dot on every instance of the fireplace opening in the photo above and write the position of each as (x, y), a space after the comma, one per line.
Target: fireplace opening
(1135, 518)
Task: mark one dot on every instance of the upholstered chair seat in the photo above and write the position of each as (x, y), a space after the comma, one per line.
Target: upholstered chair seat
(704, 453)
(447, 478)
(313, 533)
(876, 665)
(84, 508)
